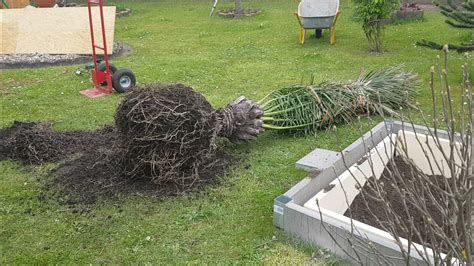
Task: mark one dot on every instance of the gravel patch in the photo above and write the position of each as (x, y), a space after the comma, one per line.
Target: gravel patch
(36, 59)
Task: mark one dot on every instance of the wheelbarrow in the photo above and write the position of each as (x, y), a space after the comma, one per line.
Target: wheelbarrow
(318, 15)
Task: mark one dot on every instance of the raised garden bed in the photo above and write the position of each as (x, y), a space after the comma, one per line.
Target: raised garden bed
(323, 199)
(359, 211)
(406, 12)
(231, 13)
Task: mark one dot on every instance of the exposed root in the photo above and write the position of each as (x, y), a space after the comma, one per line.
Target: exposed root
(168, 133)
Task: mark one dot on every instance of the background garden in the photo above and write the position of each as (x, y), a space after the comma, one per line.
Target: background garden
(230, 222)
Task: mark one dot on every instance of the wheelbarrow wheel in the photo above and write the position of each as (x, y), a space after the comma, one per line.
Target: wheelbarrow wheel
(101, 67)
(319, 33)
(123, 80)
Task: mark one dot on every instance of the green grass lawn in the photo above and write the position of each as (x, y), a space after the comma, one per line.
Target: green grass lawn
(223, 59)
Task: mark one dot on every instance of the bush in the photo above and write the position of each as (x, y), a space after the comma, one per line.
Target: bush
(372, 13)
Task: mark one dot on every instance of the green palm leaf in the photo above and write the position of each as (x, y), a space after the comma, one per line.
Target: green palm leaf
(309, 108)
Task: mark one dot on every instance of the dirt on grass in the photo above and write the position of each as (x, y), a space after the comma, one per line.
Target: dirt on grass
(99, 175)
(163, 144)
(37, 143)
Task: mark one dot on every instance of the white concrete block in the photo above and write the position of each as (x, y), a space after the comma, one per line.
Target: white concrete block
(340, 193)
(318, 160)
(423, 150)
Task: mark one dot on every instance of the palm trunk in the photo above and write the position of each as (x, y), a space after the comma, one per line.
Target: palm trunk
(240, 120)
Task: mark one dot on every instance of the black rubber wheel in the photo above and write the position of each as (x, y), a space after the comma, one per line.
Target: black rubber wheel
(319, 33)
(123, 80)
(101, 67)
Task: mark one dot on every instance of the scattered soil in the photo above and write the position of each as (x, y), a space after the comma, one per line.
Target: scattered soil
(36, 143)
(98, 175)
(163, 144)
(368, 210)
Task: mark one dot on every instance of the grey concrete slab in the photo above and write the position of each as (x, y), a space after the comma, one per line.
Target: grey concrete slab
(318, 160)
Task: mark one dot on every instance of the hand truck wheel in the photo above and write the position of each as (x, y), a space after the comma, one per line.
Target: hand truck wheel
(123, 80)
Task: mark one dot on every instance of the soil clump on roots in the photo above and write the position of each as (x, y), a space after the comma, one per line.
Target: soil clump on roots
(163, 143)
(168, 133)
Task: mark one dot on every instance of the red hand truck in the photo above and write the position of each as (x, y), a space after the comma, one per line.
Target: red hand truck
(105, 76)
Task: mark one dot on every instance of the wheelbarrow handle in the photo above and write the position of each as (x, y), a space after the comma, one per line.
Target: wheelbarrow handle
(298, 17)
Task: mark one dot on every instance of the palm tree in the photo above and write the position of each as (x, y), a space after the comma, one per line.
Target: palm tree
(305, 109)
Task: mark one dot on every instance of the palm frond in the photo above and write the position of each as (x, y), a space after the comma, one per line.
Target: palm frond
(310, 108)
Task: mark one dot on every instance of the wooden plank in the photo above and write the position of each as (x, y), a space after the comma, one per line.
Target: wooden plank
(53, 30)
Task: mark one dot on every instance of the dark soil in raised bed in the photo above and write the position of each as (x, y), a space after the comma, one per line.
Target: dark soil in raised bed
(368, 211)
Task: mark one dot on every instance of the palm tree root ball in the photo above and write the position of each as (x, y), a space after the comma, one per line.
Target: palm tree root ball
(165, 136)
(168, 132)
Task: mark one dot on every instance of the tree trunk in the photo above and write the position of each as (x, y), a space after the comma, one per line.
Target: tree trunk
(240, 120)
(238, 6)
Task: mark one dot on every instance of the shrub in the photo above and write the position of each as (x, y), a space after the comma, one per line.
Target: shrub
(372, 13)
